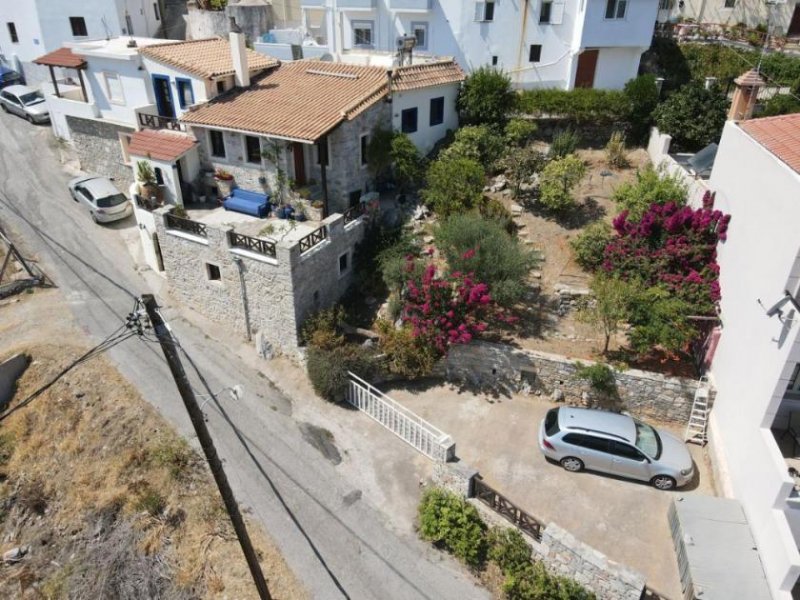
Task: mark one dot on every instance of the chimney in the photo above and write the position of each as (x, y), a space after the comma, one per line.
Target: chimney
(744, 98)
(239, 54)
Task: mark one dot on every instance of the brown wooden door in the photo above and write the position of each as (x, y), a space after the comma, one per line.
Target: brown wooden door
(299, 164)
(587, 65)
(794, 25)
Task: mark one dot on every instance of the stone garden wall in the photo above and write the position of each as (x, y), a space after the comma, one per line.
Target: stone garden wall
(508, 369)
(99, 149)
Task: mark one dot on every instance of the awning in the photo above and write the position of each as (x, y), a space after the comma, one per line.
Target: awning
(157, 144)
(63, 57)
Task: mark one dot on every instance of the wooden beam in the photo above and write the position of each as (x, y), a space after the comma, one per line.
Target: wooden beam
(53, 79)
(83, 85)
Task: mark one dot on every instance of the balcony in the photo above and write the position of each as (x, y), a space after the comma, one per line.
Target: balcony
(69, 101)
(411, 5)
(149, 121)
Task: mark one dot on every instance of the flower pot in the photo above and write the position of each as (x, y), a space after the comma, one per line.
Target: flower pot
(225, 186)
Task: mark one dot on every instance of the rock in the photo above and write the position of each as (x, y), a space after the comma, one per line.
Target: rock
(368, 343)
(420, 212)
(536, 274)
(15, 554)
(558, 395)
(516, 209)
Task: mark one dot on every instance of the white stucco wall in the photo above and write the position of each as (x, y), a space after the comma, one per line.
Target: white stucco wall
(426, 135)
(752, 12)
(136, 91)
(616, 66)
(756, 354)
(200, 87)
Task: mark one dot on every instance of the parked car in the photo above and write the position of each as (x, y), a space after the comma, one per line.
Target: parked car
(25, 102)
(104, 201)
(9, 77)
(582, 438)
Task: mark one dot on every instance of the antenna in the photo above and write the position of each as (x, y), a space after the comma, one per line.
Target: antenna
(105, 26)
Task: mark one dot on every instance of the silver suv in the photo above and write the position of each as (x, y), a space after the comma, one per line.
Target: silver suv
(582, 438)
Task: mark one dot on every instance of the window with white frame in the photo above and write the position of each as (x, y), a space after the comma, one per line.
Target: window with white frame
(420, 31)
(78, 26)
(615, 9)
(114, 87)
(730, 3)
(546, 10)
(363, 34)
(185, 93)
(484, 11)
(216, 143)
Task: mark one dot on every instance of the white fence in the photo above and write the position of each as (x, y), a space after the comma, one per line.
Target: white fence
(413, 429)
(658, 149)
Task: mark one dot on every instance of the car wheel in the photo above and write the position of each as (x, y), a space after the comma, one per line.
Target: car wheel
(4, 107)
(572, 464)
(94, 218)
(663, 482)
(29, 119)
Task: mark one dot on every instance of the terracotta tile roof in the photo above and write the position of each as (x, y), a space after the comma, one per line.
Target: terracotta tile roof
(205, 58)
(160, 145)
(780, 135)
(63, 57)
(301, 100)
(414, 77)
(751, 78)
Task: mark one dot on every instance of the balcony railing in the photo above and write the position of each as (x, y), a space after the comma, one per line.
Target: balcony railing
(257, 245)
(313, 238)
(353, 213)
(159, 122)
(186, 225)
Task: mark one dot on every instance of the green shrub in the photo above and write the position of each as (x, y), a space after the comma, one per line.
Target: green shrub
(499, 259)
(379, 152)
(658, 320)
(521, 164)
(535, 583)
(321, 330)
(451, 523)
(557, 180)
(328, 368)
(642, 94)
(519, 131)
(608, 308)
(6, 448)
(693, 116)
(486, 98)
(650, 187)
(406, 162)
(493, 209)
(599, 376)
(564, 142)
(589, 246)
(406, 355)
(150, 501)
(454, 185)
(379, 242)
(780, 104)
(581, 105)
(509, 550)
(478, 143)
(616, 156)
(174, 454)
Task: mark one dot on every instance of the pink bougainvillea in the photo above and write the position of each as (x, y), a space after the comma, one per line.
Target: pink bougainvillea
(449, 309)
(674, 246)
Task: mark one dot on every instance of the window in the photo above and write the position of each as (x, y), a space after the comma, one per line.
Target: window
(408, 120)
(587, 441)
(420, 31)
(364, 145)
(213, 272)
(625, 451)
(551, 422)
(114, 88)
(615, 9)
(544, 14)
(730, 3)
(794, 382)
(647, 440)
(12, 33)
(220, 87)
(437, 111)
(535, 53)
(362, 34)
(253, 148)
(343, 263)
(484, 11)
(129, 23)
(494, 61)
(78, 25)
(323, 153)
(159, 175)
(217, 143)
(124, 142)
(185, 93)
(156, 11)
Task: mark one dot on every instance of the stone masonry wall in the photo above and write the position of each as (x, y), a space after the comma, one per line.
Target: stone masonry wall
(499, 366)
(99, 150)
(254, 19)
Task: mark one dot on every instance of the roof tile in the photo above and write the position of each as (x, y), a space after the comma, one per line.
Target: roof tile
(206, 58)
(413, 77)
(63, 57)
(160, 145)
(780, 135)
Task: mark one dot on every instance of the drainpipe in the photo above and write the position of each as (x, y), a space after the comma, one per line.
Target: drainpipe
(323, 167)
(240, 267)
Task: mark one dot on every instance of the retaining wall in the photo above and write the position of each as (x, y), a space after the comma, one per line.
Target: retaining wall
(658, 150)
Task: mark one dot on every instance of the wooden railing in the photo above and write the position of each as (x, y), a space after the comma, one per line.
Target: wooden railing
(353, 213)
(257, 245)
(187, 225)
(507, 509)
(313, 238)
(159, 122)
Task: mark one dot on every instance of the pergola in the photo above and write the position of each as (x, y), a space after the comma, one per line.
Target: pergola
(66, 59)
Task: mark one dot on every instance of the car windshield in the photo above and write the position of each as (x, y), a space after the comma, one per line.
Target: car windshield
(647, 440)
(32, 98)
(110, 201)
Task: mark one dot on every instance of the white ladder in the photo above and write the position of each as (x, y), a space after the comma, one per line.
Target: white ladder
(698, 419)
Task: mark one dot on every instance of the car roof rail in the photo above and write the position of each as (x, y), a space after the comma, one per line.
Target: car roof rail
(614, 435)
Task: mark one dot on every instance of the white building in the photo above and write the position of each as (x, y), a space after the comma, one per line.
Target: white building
(755, 422)
(540, 43)
(31, 28)
(783, 17)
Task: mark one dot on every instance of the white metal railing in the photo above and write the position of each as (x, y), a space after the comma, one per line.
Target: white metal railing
(408, 426)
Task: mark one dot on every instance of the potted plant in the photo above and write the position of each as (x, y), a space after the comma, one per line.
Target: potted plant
(300, 213)
(314, 212)
(147, 184)
(224, 181)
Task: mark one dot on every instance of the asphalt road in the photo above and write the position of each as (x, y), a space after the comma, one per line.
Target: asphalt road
(337, 544)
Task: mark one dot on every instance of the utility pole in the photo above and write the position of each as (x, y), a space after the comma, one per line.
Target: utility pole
(170, 348)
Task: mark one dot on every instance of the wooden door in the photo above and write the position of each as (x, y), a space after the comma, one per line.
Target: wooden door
(587, 65)
(299, 164)
(794, 25)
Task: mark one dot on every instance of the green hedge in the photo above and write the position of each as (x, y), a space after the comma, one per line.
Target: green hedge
(580, 105)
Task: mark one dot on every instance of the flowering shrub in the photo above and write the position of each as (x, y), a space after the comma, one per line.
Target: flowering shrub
(448, 310)
(674, 247)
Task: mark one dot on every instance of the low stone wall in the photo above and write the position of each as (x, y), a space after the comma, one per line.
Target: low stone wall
(503, 367)
(99, 150)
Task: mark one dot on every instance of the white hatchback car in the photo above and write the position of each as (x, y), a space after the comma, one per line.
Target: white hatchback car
(105, 202)
(26, 102)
